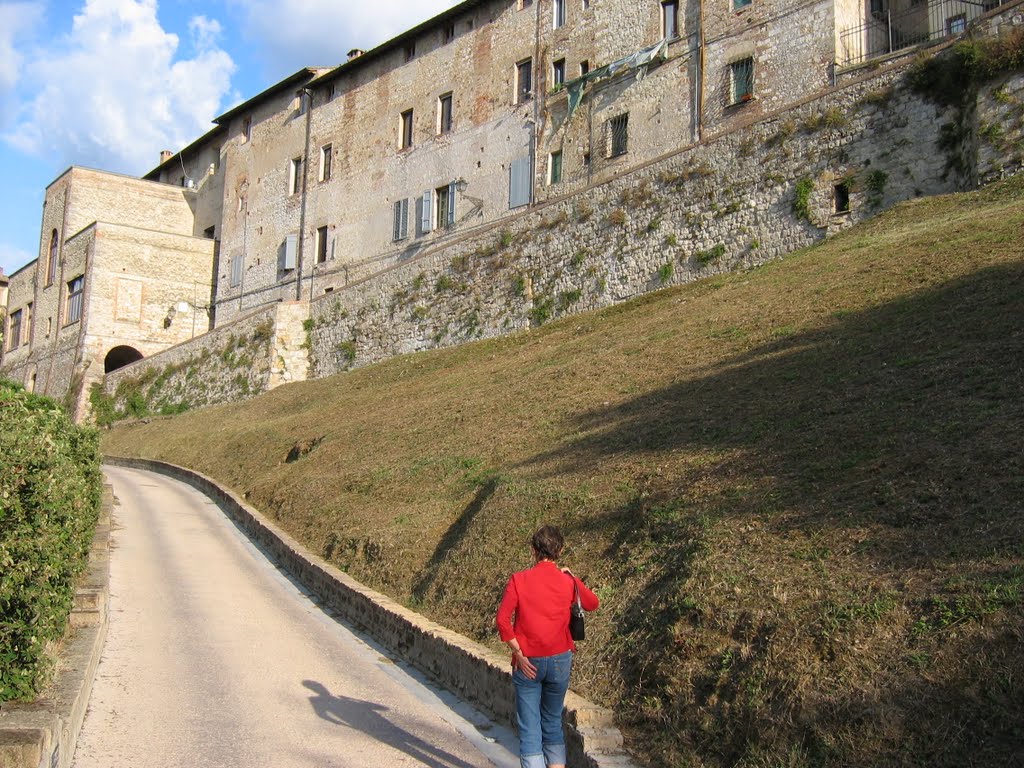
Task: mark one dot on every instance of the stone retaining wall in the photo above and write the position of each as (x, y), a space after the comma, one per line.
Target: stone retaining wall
(731, 202)
(471, 671)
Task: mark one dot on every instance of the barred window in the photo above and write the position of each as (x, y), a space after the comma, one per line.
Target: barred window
(524, 81)
(741, 81)
(617, 135)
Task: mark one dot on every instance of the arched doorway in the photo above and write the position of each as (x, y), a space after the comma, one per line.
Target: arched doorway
(119, 357)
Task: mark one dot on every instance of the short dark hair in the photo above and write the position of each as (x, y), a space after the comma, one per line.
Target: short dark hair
(548, 542)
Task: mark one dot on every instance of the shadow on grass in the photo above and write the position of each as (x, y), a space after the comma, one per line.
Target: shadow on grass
(895, 430)
(452, 538)
(905, 415)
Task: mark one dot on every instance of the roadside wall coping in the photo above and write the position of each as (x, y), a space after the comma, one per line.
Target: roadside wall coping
(469, 670)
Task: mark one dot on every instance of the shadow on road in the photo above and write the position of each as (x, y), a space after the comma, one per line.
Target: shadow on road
(369, 717)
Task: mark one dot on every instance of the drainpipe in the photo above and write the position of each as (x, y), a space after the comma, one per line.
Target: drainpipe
(699, 95)
(308, 95)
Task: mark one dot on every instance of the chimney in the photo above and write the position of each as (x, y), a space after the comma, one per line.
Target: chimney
(165, 155)
(355, 53)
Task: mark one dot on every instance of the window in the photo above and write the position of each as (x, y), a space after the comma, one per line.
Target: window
(617, 139)
(586, 5)
(555, 168)
(445, 206)
(246, 129)
(410, 51)
(741, 81)
(30, 324)
(740, 4)
(524, 80)
(300, 102)
(558, 72)
(584, 67)
(326, 154)
(444, 113)
(321, 245)
(237, 265)
(14, 331)
(670, 19)
(295, 175)
(330, 92)
(525, 4)
(520, 188)
(76, 288)
(406, 137)
(841, 198)
(955, 25)
(449, 33)
(51, 264)
(558, 13)
(401, 228)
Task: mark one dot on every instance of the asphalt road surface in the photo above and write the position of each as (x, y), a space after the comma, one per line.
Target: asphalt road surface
(214, 659)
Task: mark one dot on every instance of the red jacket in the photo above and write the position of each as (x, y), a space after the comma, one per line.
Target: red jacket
(540, 598)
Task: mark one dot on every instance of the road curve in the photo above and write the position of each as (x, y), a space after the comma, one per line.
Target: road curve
(215, 659)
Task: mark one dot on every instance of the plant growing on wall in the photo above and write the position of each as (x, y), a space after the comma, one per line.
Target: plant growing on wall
(802, 199)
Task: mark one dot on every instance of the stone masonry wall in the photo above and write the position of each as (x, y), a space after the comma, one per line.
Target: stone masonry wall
(729, 203)
(231, 363)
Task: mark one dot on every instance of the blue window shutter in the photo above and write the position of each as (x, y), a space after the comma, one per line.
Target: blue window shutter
(519, 188)
(427, 213)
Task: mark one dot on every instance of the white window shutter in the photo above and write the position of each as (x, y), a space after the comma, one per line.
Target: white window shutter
(451, 204)
(427, 214)
(290, 251)
(519, 183)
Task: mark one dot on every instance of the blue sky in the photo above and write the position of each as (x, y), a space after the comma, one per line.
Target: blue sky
(109, 83)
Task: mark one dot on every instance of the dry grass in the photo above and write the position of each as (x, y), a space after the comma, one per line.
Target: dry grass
(797, 490)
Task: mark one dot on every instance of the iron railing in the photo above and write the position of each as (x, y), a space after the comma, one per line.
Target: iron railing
(890, 29)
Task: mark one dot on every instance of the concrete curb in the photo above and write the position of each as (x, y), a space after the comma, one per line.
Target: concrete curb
(43, 733)
(469, 670)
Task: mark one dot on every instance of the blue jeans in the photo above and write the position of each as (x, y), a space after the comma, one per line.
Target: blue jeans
(539, 710)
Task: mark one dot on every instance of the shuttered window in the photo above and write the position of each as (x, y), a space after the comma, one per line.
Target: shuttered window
(291, 247)
(427, 211)
(401, 228)
(519, 187)
(237, 263)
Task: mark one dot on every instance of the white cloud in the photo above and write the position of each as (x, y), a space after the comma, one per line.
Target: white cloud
(112, 93)
(299, 33)
(12, 258)
(16, 20)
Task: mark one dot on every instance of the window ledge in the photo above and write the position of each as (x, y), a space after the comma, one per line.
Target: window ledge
(740, 103)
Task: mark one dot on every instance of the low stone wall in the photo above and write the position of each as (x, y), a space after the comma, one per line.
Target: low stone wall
(43, 733)
(471, 671)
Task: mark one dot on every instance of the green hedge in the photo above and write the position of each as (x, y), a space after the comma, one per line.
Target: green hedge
(50, 488)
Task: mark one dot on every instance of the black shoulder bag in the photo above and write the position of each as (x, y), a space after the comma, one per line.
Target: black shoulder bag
(577, 630)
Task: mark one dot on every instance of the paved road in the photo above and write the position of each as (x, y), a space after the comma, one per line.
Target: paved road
(214, 659)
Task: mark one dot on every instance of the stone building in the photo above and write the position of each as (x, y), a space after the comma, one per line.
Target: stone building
(336, 174)
(119, 277)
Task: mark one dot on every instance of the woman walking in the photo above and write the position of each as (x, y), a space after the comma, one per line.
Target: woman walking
(533, 619)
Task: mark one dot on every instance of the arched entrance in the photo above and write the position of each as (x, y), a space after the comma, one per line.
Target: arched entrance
(119, 357)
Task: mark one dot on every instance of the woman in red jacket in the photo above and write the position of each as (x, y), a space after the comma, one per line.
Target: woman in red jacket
(533, 619)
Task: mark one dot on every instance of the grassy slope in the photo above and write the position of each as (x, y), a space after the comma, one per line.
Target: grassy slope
(797, 489)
